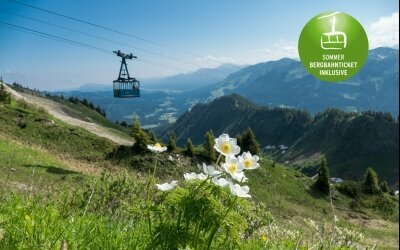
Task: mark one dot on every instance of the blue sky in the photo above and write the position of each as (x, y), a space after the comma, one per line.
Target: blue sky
(241, 32)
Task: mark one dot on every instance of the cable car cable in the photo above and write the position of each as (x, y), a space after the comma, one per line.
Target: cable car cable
(61, 39)
(117, 31)
(103, 38)
(57, 37)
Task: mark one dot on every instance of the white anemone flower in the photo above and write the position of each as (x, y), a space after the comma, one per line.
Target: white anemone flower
(226, 145)
(167, 186)
(194, 176)
(249, 161)
(201, 176)
(156, 148)
(190, 176)
(240, 191)
(210, 170)
(222, 182)
(240, 177)
(235, 168)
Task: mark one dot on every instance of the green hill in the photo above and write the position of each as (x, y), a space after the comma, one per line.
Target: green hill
(351, 141)
(233, 114)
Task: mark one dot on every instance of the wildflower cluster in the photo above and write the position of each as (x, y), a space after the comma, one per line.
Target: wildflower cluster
(275, 232)
(337, 236)
(348, 237)
(228, 174)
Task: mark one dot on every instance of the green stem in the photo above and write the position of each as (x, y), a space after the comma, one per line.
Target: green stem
(219, 158)
(151, 181)
(215, 230)
(150, 231)
(178, 223)
(196, 234)
(155, 167)
(201, 185)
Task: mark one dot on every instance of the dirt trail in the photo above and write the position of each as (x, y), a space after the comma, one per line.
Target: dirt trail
(57, 110)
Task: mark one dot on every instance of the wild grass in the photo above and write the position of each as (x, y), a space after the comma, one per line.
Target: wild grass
(128, 212)
(33, 127)
(114, 213)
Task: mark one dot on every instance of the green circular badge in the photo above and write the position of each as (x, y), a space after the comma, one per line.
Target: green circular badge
(333, 46)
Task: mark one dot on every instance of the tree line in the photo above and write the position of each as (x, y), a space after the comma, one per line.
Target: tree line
(86, 103)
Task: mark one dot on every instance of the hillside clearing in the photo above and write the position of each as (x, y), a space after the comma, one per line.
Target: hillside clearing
(60, 111)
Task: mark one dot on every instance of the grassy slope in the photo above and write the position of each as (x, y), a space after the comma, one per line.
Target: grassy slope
(34, 126)
(25, 168)
(39, 151)
(285, 192)
(84, 113)
(288, 195)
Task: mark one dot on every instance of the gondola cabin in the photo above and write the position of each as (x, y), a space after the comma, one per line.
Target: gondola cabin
(125, 86)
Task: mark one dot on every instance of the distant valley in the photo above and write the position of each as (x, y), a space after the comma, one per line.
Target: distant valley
(282, 83)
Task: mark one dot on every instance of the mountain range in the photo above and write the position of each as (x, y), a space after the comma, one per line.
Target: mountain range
(191, 81)
(286, 83)
(282, 83)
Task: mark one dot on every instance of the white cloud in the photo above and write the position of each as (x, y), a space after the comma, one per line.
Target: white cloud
(210, 61)
(384, 32)
(277, 51)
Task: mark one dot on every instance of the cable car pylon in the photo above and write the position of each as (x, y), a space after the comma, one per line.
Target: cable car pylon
(125, 86)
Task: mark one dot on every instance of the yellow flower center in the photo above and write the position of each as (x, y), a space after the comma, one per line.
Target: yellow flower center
(264, 237)
(158, 145)
(226, 148)
(247, 163)
(232, 168)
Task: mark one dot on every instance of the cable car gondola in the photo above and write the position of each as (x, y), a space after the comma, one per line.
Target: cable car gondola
(125, 86)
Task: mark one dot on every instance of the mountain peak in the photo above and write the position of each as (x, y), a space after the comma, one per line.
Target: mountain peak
(383, 52)
(285, 82)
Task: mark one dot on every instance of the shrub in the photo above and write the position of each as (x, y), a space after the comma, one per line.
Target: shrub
(370, 183)
(322, 182)
(350, 188)
(142, 139)
(385, 205)
(171, 142)
(191, 214)
(189, 148)
(247, 141)
(208, 146)
(384, 187)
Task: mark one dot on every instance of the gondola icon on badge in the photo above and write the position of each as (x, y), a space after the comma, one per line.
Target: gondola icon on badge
(334, 39)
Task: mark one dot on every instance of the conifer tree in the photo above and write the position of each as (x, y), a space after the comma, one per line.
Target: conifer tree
(189, 148)
(249, 143)
(135, 125)
(171, 142)
(153, 136)
(208, 146)
(384, 187)
(370, 183)
(322, 182)
(142, 139)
